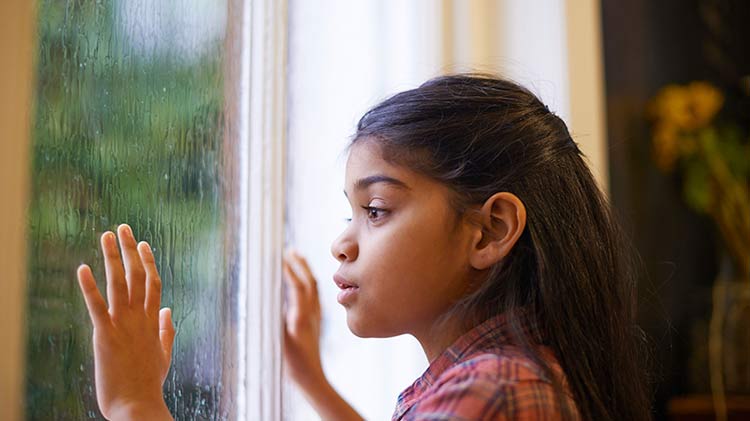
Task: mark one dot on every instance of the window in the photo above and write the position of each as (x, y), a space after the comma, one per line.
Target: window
(144, 112)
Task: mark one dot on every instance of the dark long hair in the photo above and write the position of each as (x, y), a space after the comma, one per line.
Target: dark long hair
(572, 270)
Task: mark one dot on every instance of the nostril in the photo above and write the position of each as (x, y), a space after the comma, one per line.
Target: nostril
(339, 253)
(345, 255)
(344, 249)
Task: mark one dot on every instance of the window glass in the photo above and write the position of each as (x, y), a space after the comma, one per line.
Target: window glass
(129, 126)
(343, 58)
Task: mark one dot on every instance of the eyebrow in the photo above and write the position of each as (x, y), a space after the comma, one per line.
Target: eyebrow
(363, 183)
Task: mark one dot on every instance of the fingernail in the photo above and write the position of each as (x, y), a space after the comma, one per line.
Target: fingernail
(149, 250)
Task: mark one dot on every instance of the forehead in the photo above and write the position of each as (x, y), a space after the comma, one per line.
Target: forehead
(366, 167)
(366, 161)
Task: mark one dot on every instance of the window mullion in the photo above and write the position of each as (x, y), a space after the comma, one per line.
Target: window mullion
(262, 108)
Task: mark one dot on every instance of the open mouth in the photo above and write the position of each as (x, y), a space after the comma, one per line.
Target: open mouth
(342, 283)
(348, 290)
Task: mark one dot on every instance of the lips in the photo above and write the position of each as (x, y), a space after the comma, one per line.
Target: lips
(343, 283)
(349, 291)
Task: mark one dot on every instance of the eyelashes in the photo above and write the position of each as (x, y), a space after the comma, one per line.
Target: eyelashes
(373, 214)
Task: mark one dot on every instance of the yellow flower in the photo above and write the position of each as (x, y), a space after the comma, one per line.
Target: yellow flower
(666, 146)
(672, 106)
(705, 101)
(689, 107)
(679, 113)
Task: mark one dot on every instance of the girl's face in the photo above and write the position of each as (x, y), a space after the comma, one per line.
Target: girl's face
(404, 251)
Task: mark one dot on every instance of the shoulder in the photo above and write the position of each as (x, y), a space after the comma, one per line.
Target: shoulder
(497, 384)
(504, 365)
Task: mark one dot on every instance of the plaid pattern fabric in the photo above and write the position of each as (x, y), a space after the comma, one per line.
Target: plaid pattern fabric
(483, 376)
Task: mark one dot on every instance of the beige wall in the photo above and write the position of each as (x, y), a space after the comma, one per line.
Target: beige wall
(16, 20)
(586, 78)
(552, 47)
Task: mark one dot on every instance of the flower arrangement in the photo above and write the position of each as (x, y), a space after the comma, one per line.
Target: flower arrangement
(712, 154)
(693, 133)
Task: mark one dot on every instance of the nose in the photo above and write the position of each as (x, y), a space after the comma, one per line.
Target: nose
(345, 248)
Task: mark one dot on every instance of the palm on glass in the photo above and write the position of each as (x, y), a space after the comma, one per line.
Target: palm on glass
(132, 338)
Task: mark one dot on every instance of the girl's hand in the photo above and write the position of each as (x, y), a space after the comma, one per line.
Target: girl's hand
(302, 342)
(302, 325)
(132, 338)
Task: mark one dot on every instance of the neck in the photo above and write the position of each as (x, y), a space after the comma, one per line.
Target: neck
(438, 336)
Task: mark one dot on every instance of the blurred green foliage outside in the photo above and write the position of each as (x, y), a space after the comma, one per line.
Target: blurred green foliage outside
(125, 135)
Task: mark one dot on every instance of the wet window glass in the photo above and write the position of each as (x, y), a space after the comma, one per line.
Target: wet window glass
(129, 126)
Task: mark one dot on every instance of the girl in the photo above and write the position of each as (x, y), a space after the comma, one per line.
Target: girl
(478, 229)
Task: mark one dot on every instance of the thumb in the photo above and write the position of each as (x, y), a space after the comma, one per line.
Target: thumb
(166, 332)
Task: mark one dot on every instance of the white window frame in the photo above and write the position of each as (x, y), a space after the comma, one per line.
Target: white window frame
(263, 140)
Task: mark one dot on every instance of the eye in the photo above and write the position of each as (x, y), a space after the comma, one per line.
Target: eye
(374, 213)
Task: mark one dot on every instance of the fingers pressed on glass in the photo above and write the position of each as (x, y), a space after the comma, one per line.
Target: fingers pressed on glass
(117, 288)
(297, 287)
(134, 272)
(303, 271)
(166, 331)
(94, 301)
(153, 281)
(291, 276)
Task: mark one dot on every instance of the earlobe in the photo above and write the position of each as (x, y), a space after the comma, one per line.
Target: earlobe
(486, 256)
(502, 221)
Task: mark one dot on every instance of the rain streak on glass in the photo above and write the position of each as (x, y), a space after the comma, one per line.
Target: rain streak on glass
(129, 125)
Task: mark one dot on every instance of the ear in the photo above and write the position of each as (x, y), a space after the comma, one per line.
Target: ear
(502, 221)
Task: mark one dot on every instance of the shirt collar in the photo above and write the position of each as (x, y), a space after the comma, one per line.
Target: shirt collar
(492, 333)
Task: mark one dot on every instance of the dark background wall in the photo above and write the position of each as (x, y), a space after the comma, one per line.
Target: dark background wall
(648, 44)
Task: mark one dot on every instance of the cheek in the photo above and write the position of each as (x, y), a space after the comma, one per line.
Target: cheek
(398, 265)
(415, 257)
(408, 249)
(411, 272)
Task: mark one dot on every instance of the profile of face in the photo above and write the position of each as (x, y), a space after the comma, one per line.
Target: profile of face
(405, 251)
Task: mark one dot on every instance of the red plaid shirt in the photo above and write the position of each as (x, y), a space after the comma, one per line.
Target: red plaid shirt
(483, 376)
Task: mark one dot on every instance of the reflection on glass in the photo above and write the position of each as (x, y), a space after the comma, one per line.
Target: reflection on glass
(128, 126)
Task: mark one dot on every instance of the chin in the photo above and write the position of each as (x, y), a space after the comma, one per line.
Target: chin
(365, 329)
